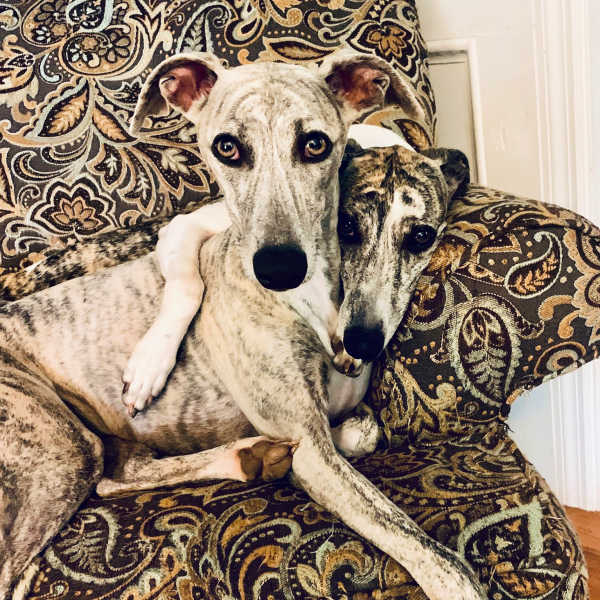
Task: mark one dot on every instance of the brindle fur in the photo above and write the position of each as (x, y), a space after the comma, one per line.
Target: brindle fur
(62, 352)
(120, 246)
(82, 258)
(387, 191)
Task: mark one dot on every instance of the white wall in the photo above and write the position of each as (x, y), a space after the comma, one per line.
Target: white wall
(595, 58)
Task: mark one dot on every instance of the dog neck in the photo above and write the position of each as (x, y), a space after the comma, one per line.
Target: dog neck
(317, 300)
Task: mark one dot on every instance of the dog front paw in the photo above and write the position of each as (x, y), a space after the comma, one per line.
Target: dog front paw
(342, 361)
(147, 371)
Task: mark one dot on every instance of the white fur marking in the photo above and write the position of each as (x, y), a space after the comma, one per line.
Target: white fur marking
(177, 252)
(400, 210)
(312, 301)
(346, 392)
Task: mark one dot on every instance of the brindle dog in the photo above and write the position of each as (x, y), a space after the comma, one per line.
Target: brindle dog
(63, 349)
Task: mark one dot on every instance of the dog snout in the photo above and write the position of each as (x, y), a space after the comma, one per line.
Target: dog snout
(280, 268)
(363, 342)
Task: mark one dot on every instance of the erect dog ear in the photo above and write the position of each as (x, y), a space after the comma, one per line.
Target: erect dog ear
(455, 167)
(182, 82)
(362, 82)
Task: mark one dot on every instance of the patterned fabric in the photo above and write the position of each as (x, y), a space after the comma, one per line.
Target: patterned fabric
(70, 74)
(229, 541)
(510, 299)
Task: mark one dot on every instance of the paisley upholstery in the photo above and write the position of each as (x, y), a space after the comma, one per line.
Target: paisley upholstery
(231, 541)
(511, 298)
(70, 74)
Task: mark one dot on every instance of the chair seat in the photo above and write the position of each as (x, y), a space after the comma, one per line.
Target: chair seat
(231, 541)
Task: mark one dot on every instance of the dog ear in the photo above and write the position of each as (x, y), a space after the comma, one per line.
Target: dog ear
(352, 149)
(362, 82)
(182, 82)
(455, 167)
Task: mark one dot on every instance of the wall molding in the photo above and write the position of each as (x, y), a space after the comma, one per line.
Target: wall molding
(563, 75)
(441, 49)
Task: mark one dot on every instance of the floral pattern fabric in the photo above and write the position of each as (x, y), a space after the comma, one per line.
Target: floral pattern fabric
(230, 541)
(71, 72)
(510, 299)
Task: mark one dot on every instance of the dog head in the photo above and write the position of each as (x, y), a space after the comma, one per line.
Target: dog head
(392, 212)
(273, 135)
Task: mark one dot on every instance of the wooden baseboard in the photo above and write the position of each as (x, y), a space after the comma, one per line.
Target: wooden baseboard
(588, 528)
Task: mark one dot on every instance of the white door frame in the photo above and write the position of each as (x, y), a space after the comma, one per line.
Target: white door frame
(469, 47)
(564, 94)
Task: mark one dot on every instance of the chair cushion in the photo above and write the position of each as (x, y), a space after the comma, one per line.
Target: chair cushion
(70, 74)
(510, 299)
(230, 541)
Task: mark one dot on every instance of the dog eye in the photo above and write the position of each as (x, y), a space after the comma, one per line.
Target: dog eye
(227, 149)
(315, 146)
(348, 229)
(420, 238)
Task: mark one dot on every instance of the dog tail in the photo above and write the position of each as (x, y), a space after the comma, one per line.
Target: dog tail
(84, 258)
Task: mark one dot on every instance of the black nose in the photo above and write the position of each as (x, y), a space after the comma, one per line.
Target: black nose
(280, 268)
(363, 343)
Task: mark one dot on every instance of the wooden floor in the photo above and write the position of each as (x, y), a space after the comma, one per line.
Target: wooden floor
(588, 527)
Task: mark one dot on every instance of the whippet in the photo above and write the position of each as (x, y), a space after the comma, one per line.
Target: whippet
(266, 373)
(177, 253)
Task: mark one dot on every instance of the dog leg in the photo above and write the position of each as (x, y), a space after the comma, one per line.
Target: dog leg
(154, 356)
(177, 251)
(330, 480)
(49, 463)
(342, 361)
(133, 467)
